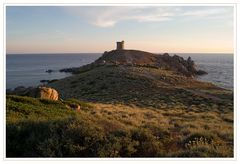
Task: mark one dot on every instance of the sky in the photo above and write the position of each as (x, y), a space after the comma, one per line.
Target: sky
(95, 29)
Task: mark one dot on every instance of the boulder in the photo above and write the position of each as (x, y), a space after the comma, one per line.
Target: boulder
(43, 93)
(39, 92)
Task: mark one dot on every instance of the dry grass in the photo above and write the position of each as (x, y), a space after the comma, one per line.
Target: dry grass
(176, 123)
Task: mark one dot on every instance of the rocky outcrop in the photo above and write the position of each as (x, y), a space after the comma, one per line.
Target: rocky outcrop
(145, 59)
(38, 92)
(140, 58)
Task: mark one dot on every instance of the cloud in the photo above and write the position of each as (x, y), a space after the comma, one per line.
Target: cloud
(205, 12)
(112, 16)
(109, 16)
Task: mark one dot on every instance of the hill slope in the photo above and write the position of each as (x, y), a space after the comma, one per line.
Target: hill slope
(44, 128)
(142, 108)
(142, 86)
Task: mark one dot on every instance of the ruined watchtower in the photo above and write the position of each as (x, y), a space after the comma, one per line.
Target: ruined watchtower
(120, 45)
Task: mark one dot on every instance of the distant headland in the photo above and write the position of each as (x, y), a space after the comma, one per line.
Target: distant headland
(122, 56)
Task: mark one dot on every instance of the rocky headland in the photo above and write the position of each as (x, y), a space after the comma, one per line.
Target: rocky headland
(143, 78)
(143, 59)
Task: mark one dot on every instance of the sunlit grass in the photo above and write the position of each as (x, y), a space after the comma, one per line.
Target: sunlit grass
(49, 128)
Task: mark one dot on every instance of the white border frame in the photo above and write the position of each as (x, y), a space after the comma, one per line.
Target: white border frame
(122, 4)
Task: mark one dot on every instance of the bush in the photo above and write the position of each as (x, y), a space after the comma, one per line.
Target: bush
(148, 145)
(61, 138)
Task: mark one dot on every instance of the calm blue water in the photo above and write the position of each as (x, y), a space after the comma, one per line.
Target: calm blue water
(28, 70)
(218, 66)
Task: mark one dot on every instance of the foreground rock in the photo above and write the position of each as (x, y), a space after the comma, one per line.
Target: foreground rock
(38, 92)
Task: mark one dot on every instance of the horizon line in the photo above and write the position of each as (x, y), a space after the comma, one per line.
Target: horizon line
(38, 53)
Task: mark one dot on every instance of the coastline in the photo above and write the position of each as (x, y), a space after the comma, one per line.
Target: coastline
(213, 75)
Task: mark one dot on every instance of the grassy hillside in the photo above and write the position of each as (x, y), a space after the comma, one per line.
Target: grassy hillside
(143, 87)
(123, 128)
(133, 104)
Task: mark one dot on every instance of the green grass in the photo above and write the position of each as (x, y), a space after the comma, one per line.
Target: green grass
(143, 87)
(45, 128)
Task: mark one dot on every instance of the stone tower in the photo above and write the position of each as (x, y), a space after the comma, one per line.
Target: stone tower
(120, 45)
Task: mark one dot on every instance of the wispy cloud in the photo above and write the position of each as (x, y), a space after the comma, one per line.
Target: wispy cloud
(204, 12)
(112, 16)
(109, 16)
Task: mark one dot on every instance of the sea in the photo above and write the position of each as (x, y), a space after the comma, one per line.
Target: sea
(29, 69)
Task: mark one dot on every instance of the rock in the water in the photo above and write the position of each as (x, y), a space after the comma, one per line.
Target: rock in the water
(44, 81)
(201, 72)
(48, 81)
(49, 71)
(51, 81)
(8, 91)
(19, 90)
(68, 70)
